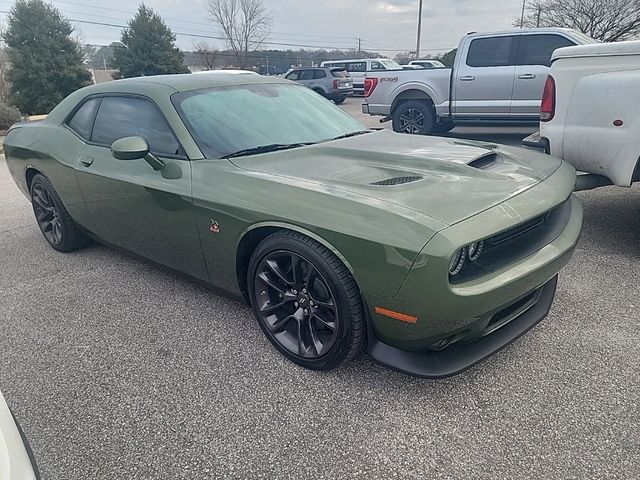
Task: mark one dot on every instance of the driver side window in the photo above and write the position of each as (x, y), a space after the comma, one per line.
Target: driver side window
(120, 117)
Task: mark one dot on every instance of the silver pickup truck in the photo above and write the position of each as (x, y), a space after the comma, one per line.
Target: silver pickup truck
(497, 78)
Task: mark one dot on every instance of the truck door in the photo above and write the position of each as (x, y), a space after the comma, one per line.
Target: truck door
(532, 66)
(483, 81)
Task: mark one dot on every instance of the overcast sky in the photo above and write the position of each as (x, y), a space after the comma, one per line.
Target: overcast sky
(382, 25)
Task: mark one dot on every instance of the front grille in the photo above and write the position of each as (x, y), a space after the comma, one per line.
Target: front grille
(396, 181)
(519, 230)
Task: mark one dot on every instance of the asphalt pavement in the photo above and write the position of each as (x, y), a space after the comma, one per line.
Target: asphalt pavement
(117, 369)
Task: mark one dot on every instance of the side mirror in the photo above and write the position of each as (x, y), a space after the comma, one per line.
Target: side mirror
(130, 148)
(135, 148)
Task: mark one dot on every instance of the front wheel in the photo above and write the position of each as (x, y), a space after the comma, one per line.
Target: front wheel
(414, 117)
(56, 225)
(306, 301)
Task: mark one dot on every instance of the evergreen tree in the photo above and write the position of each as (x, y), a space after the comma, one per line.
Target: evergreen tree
(148, 48)
(46, 63)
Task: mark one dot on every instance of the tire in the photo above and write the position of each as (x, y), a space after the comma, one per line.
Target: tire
(415, 117)
(56, 225)
(443, 127)
(339, 101)
(320, 327)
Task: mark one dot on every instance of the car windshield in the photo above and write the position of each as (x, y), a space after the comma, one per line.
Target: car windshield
(225, 120)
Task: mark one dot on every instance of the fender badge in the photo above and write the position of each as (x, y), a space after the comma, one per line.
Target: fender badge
(214, 228)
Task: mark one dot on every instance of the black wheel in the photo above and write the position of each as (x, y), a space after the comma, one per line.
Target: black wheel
(443, 127)
(306, 301)
(414, 117)
(339, 101)
(53, 219)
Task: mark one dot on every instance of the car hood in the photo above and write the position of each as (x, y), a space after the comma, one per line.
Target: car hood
(446, 179)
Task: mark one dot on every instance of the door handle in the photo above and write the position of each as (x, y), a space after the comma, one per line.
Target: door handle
(467, 78)
(86, 161)
(527, 76)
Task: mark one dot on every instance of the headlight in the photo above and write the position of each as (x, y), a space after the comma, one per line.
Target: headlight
(474, 250)
(457, 261)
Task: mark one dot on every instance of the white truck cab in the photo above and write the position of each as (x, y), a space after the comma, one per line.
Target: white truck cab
(358, 67)
(590, 112)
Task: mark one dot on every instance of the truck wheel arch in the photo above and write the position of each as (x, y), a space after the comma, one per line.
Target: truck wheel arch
(410, 95)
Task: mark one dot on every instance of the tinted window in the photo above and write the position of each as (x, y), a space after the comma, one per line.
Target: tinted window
(319, 74)
(377, 66)
(490, 52)
(338, 65)
(293, 75)
(305, 75)
(340, 73)
(537, 49)
(121, 117)
(82, 120)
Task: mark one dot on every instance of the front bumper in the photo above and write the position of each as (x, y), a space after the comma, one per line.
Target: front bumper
(451, 317)
(457, 358)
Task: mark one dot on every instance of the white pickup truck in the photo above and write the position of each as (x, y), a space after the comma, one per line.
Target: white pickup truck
(497, 78)
(590, 112)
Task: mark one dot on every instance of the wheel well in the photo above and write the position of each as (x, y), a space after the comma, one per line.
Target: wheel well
(318, 90)
(247, 245)
(30, 173)
(636, 172)
(409, 95)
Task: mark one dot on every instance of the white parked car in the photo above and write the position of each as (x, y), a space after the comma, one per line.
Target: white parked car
(16, 460)
(427, 64)
(358, 67)
(590, 112)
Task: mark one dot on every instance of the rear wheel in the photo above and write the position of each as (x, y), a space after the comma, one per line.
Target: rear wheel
(55, 223)
(339, 101)
(306, 301)
(414, 117)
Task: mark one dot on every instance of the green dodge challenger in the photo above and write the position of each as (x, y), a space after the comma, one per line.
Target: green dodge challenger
(429, 253)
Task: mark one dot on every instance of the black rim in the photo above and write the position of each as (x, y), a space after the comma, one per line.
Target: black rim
(296, 304)
(411, 121)
(47, 214)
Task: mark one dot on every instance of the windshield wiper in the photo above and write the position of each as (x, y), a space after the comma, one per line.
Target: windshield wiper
(273, 147)
(352, 134)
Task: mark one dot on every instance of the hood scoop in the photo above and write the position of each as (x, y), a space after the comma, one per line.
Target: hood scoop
(396, 181)
(486, 162)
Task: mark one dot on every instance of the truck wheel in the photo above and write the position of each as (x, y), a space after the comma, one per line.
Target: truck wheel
(414, 117)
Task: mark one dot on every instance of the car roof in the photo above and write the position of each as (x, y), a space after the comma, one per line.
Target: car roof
(182, 82)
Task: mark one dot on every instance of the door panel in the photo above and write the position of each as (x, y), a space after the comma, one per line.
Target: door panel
(484, 81)
(134, 207)
(131, 205)
(532, 67)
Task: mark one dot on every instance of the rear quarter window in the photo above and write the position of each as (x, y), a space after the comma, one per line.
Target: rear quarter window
(82, 121)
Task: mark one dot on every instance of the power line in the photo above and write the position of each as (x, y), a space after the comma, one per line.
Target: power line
(193, 22)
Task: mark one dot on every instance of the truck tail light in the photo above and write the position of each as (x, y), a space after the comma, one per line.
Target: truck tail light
(335, 84)
(548, 104)
(370, 85)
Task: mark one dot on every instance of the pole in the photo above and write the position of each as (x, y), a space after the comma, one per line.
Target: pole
(359, 44)
(522, 14)
(419, 30)
(538, 17)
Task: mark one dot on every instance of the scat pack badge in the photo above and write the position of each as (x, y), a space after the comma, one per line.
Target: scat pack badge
(214, 227)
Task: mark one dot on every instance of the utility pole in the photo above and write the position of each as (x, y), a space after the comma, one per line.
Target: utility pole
(419, 30)
(538, 16)
(359, 44)
(522, 14)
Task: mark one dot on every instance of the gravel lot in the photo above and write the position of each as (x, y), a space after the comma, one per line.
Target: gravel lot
(118, 369)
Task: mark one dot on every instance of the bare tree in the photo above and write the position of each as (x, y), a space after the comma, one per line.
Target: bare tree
(245, 24)
(207, 54)
(606, 20)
